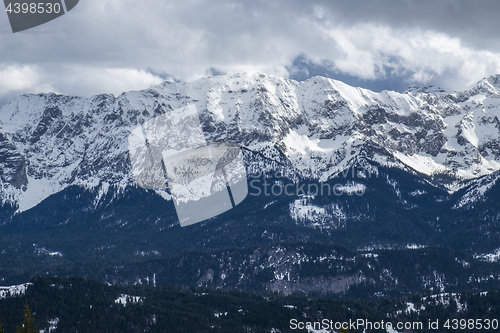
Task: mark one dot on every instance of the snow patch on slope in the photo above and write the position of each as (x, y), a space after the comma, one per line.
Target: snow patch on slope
(421, 163)
(124, 299)
(14, 291)
(489, 257)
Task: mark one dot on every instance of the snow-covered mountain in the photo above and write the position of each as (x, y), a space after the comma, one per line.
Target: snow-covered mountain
(426, 164)
(318, 128)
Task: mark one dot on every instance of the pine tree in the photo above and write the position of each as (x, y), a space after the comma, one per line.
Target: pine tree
(1, 328)
(28, 325)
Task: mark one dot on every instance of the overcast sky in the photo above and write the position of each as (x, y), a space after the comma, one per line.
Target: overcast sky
(111, 46)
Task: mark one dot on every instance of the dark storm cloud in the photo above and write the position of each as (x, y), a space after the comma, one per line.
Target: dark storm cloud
(475, 22)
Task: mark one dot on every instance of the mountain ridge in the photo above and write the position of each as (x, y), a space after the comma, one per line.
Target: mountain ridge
(320, 126)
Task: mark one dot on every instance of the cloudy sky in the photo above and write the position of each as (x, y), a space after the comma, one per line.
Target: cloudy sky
(118, 45)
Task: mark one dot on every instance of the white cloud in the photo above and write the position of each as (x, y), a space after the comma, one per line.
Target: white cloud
(86, 81)
(72, 80)
(117, 45)
(15, 78)
(372, 52)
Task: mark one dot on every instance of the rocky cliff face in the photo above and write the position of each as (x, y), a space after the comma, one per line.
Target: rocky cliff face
(318, 127)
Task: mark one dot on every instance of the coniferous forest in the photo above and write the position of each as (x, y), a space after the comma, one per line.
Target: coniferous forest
(83, 305)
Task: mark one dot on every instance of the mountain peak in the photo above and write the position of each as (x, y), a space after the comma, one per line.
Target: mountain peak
(431, 89)
(490, 84)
